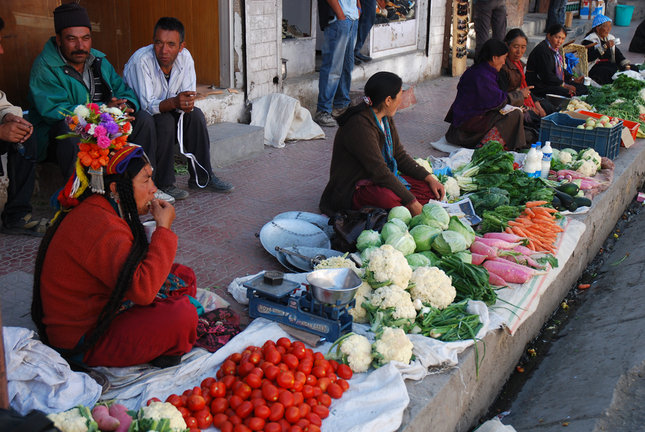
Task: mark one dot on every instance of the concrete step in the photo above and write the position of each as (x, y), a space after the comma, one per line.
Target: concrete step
(233, 142)
(534, 26)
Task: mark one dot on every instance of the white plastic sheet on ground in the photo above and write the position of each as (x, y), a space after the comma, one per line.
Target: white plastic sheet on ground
(283, 118)
(39, 378)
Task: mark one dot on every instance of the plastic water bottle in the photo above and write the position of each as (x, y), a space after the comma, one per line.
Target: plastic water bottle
(531, 162)
(547, 154)
(538, 151)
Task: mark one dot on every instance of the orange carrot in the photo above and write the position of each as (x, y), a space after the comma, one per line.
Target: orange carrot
(535, 203)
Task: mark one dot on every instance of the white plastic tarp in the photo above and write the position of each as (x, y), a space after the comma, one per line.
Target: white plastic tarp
(283, 118)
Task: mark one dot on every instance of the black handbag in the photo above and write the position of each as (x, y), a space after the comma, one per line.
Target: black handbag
(34, 421)
(349, 224)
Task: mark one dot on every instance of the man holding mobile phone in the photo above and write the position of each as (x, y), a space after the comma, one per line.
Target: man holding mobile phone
(163, 76)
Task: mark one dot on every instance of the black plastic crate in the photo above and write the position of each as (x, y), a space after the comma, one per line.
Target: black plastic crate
(561, 129)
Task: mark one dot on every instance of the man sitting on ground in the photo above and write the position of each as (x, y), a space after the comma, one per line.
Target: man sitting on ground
(163, 76)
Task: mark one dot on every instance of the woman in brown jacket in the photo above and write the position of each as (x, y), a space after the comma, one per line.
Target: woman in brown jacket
(369, 166)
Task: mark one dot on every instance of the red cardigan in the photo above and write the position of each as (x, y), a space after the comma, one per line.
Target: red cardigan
(83, 263)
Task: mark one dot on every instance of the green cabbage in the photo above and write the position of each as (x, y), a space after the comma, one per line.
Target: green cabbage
(403, 242)
(457, 225)
(465, 256)
(365, 255)
(437, 213)
(434, 259)
(390, 228)
(449, 242)
(367, 239)
(423, 236)
(401, 213)
(418, 260)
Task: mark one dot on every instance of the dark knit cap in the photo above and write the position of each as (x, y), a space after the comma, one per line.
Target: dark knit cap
(70, 15)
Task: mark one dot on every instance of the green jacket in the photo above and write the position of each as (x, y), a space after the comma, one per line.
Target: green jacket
(54, 91)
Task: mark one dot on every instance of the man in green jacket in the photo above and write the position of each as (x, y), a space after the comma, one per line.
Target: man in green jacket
(67, 73)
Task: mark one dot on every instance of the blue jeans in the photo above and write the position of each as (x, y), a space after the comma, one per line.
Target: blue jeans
(365, 23)
(556, 13)
(337, 65)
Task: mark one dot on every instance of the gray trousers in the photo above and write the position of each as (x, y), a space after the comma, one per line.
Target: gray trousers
(489, 15)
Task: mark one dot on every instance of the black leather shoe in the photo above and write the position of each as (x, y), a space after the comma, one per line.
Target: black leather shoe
(215, 184)
(362, 57)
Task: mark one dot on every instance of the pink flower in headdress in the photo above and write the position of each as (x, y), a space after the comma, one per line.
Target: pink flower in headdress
(99, 131)
(103, 142)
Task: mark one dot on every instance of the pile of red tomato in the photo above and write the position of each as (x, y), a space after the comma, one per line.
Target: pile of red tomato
(279, 387)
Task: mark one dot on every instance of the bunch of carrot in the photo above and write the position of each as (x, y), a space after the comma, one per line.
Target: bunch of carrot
(538, 225)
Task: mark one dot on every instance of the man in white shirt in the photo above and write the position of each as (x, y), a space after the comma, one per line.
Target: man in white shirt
(163, 76)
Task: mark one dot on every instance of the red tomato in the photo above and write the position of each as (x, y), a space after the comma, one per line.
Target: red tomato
(312, 428)
(227, 426)
(286, 379)
(204, 418)
(243, 391)
(271, 372)
(309, 353)
(286, 399)
(298, 398)
(343, 384)
(312, 380)
(254, 381)
(319, 371)
(151, 400)
(175, 400)
(191, 422)
(270, 392)
(184, 411)
(228, 367)
(290, 360)
(333, 364)
(344, 371)
(219, 419)
(317, 391)
(285, 425)
(235, 419)
(255, 423)
(300, 380)
(307, 391)
(196, 402)
(321, 410)
(303, 423)
(281, 349)
(187, 392)
(262, 411)
(228, 381)
(324, 399)
(235, 357)
(292, 414)
(258, 402)
(207, 382)
(219, 405)
(272, 427)
(258, 371)
(306, 365)
(277, 411)
(272, 355)
(314, 419)
(217, 389)
(295, 428)
(255, 357)
(323, 383)
(256, 394)
(284, 342)
(241, 428)
(298, 349)
(197, 390)
(244, 410)
(332, 376)
(304, 409)
(268, 343)
(319, 356)
(235, 401)
(335, 391)
(245, 368)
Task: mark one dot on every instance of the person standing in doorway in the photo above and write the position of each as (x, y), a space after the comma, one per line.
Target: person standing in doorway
(488, 15)
(556, 13)
(340, 25)
(365, 23)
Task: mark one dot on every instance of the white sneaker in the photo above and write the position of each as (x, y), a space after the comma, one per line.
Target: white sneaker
(164, 196)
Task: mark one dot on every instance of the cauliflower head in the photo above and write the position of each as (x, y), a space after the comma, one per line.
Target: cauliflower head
(393, 296)
(363, 294)
(452, 188)
(358, 350)
(586, 167)
(165, 410)
(388, 265)
(565, 157)
(339, 262)
(73, 420)
(424, 163)
(590, 155)
(392, 345)
(432, 285)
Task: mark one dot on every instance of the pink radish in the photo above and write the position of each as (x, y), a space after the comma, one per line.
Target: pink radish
(524, 250)
(483, 249)
(478, 258)
(521, 259)
(495, 280)
(121, 412)
(512, 273)
(500, 244)
(104, 420)
(511, 238)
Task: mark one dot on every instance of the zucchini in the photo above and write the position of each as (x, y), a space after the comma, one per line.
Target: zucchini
(556, 202)
(569, 188)
(582, 201)
(567, 201)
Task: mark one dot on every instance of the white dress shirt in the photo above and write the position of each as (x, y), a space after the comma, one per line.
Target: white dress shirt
(143, 73)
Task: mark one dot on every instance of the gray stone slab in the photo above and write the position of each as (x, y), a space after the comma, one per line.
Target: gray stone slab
(233, 142)
(16, 290)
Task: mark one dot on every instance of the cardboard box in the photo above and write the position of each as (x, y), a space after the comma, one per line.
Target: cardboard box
(629, 132)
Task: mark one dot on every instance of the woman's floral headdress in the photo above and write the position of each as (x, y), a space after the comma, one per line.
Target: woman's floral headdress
(102, 131)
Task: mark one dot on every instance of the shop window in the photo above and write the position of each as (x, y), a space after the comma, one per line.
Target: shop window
(396, 28)
(298, 37)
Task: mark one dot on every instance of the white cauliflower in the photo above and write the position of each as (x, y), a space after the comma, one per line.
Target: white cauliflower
(585, 167)
(387, 265)
(164, 410)
(393, 296)
(452, 188)
(392, 345)
(73, 420)
(432, 285)
(424, 163)
(357, 352)
(590, 155)
(363, 294)
(565, 157)
(339, 262)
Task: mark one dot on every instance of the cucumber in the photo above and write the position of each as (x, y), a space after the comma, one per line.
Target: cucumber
(556, 203)
(567, 201)
(569, 188)
(582, 201)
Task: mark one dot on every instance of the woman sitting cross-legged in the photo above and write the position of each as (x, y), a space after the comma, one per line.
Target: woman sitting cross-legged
(369, 166)
(476, 115)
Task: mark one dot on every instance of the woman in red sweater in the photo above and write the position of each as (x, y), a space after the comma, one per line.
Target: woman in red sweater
(97, 282)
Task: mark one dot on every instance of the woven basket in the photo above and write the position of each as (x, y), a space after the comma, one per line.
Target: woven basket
(581, 52)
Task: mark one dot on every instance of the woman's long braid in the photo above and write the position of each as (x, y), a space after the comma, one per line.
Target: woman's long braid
(124, 281)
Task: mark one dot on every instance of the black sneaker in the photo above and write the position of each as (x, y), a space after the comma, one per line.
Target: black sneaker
(363, 58)
(215, 184)
(175, 192)
(25, 226)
